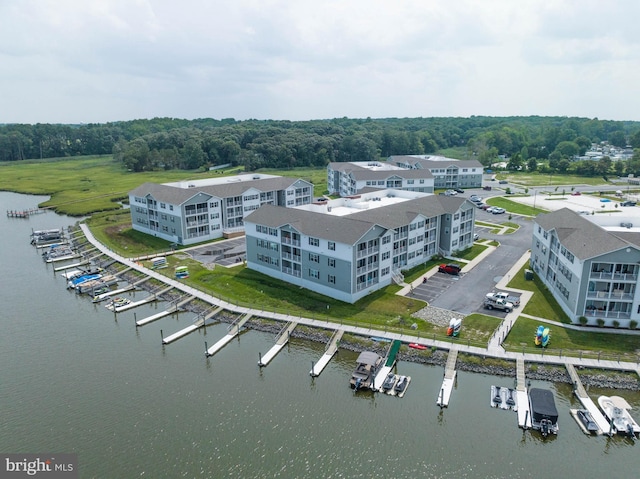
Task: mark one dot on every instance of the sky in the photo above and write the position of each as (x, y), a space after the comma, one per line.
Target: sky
(95, 61)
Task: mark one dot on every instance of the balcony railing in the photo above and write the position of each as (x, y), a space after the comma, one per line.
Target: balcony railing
(367, 252)
(594, 313)
(367, 268)
(610, 295)
(608, 275)
(291, 241)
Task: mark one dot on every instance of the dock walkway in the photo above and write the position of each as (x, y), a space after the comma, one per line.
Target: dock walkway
(197, 323)
(331, 349)
(234, 330)
(164, 313)
(388, 365)
(449, 379)
(522, 396)
(588, 404)
(282, 340)
(149, 299)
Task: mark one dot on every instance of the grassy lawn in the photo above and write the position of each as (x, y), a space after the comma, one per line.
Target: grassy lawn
(514, 207)
(471, 253)
(542, 304)
(571, 342)
(539, 179)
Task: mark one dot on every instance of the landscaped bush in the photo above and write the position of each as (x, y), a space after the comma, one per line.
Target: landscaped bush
(583, 320)
(633, 324)
(600, 322)
(616, 323)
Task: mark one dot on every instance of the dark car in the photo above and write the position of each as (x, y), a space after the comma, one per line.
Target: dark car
(458, 190)
(503, 182)
(628, 203)
(449, 269)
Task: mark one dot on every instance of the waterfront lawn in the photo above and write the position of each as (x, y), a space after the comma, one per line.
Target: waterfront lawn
(479, 327)
(542, 304)
(570, 341)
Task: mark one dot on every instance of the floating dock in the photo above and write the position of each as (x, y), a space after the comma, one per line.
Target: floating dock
(234, 329)
(149, 299)
(390, 361)
(197, 323)
(331, 349)
(578, 389)
(164, 313)
(522, 398)
(281, 341)
(70, 266)
(449, 379)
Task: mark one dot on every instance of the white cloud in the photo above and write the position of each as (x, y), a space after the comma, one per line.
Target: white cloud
(103, 60)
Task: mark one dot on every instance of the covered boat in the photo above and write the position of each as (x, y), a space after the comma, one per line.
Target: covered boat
(544, 415)
(368, 364)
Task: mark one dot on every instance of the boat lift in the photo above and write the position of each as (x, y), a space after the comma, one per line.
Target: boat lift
(331, 349)
(281, 341)
(578, 389)
(233, 329)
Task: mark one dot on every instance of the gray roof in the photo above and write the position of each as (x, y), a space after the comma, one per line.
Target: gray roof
(176, 196)
(361, 172)
(443, 162)
(350, 228)
(582, 237)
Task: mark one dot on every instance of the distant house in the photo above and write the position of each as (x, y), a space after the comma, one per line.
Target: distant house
(189, 212)
(352, 246)
(591, 264)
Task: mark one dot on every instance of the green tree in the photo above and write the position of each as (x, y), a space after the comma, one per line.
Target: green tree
(568, 149)
(618, 139)
(532, 164)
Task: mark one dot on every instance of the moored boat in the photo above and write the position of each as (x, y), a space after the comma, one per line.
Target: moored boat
(544, 415)
(367, 367)
(587, 421)
(616, 411)
(418, 346)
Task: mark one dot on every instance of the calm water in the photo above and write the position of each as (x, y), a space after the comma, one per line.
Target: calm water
(75, 379)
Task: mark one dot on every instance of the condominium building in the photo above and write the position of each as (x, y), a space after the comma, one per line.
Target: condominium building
(591, 264)
(447, 173)
(349, 247)
(351, 178)
(188, 212)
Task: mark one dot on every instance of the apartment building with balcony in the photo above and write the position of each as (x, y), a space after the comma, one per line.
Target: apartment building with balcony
(349, 247)
(447, 173)
(351, 178)
(189, 212)
(591, 264)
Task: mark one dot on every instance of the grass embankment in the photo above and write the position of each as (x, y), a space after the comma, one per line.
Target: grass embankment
(514, 207)
(83, 185)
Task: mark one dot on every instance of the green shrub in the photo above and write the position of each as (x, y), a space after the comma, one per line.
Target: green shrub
(600, 322)
(633, 324)
(583, 320)
(616, 323)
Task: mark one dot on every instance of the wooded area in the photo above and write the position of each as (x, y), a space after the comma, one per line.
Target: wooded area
(167, 143)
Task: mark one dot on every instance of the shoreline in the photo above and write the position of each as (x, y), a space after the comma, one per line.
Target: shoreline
(435, 357)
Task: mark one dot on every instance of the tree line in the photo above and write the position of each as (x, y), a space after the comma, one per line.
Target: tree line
(168, 143)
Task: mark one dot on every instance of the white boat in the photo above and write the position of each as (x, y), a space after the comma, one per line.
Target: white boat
(616, 411)
(116, 303)
(496, 399)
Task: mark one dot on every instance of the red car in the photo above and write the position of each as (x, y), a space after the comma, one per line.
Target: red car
(575, 193)
(449, 269)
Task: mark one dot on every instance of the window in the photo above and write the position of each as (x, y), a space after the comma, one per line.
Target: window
(331, 262)
(315, 258)
(386, 255)
(314, 242)
(314, 273)
(170, 207)
(386, 239)
(163, 206)
(332, 246)
(331, 279)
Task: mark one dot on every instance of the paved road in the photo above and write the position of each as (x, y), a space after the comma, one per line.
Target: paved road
(467, 294)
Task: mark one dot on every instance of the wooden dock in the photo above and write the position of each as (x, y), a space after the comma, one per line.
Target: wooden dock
(234, 330)
(198, 322)
(578, 389)
(449, 379)
(330, 350)
(25, 213)
(522, 396)
(281, 341)
(389, 363)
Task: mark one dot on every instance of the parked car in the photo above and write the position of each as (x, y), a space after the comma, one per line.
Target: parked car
(515, 300)
(575, 193)
(488, 188)
(451, 268)
(474, 197)
(480, 204)
(476, 236)
(503, 182)
(628, 203)
(489, 209)
(458, 190)
(498, 211)
(451, 193)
